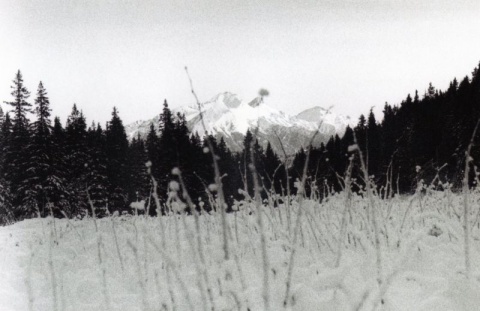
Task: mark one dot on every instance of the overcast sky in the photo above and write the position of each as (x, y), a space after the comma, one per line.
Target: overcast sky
(348, 54)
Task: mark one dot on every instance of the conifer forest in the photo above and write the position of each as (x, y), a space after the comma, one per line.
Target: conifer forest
(49, 167)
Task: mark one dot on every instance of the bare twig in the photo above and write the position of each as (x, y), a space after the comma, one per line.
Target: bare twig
(218, 179)
(466, 226)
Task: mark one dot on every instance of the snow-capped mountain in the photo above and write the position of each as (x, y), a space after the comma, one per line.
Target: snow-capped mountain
(230, 117)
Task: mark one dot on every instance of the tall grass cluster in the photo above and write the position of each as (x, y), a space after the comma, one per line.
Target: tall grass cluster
(177, 262)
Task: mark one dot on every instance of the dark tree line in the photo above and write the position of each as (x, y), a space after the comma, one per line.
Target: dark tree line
(66, 170)
(423, 139)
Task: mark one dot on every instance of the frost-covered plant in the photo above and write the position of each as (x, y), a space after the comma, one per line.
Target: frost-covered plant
(466, 211)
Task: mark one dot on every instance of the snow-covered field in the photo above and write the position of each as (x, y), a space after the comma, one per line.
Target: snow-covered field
(176, 263)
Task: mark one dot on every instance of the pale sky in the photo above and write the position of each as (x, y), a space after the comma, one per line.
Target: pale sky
(351, 55)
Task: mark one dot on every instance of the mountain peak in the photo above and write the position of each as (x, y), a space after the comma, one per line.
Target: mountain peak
(228, 99)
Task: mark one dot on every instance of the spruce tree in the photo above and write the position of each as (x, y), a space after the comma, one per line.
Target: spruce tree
(167, 157)
(37, 191)
(245, 160)
(3, 138)
(139, 185)
(229, 168)
(16, 157)
(76, 159)
(96, 177)
(361, 133)
(189, 156)
(6, 215)
(152, 147)
(116, 151)
(59, 170)
(374, 146)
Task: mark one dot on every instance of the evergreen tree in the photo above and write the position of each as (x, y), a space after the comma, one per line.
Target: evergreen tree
(4, 133)
(59, 170)
(96, 171)
(37, 186)
(405, 131)
(430, 93)
(374, 146)
(152, 147)
(228, 166)
(258, 163)
(6, 215)
(245, 160)
(361, 133)
(168, 156)
(76, 158)
(139, 184)
(20, 104)
(273, 175)
(297, 166)
(188, 157)
(116, 151)
(16, 157)
(388, 130)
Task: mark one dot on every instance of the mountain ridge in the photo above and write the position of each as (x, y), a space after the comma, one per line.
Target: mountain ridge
(226, 115)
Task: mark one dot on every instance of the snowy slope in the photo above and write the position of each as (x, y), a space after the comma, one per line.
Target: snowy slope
(137, 263)
(317, 113)
(230, 117)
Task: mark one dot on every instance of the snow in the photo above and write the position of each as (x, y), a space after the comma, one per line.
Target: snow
(226, 114)
(160, 265)
(220, 115)
(313, 115)
(138, 205)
